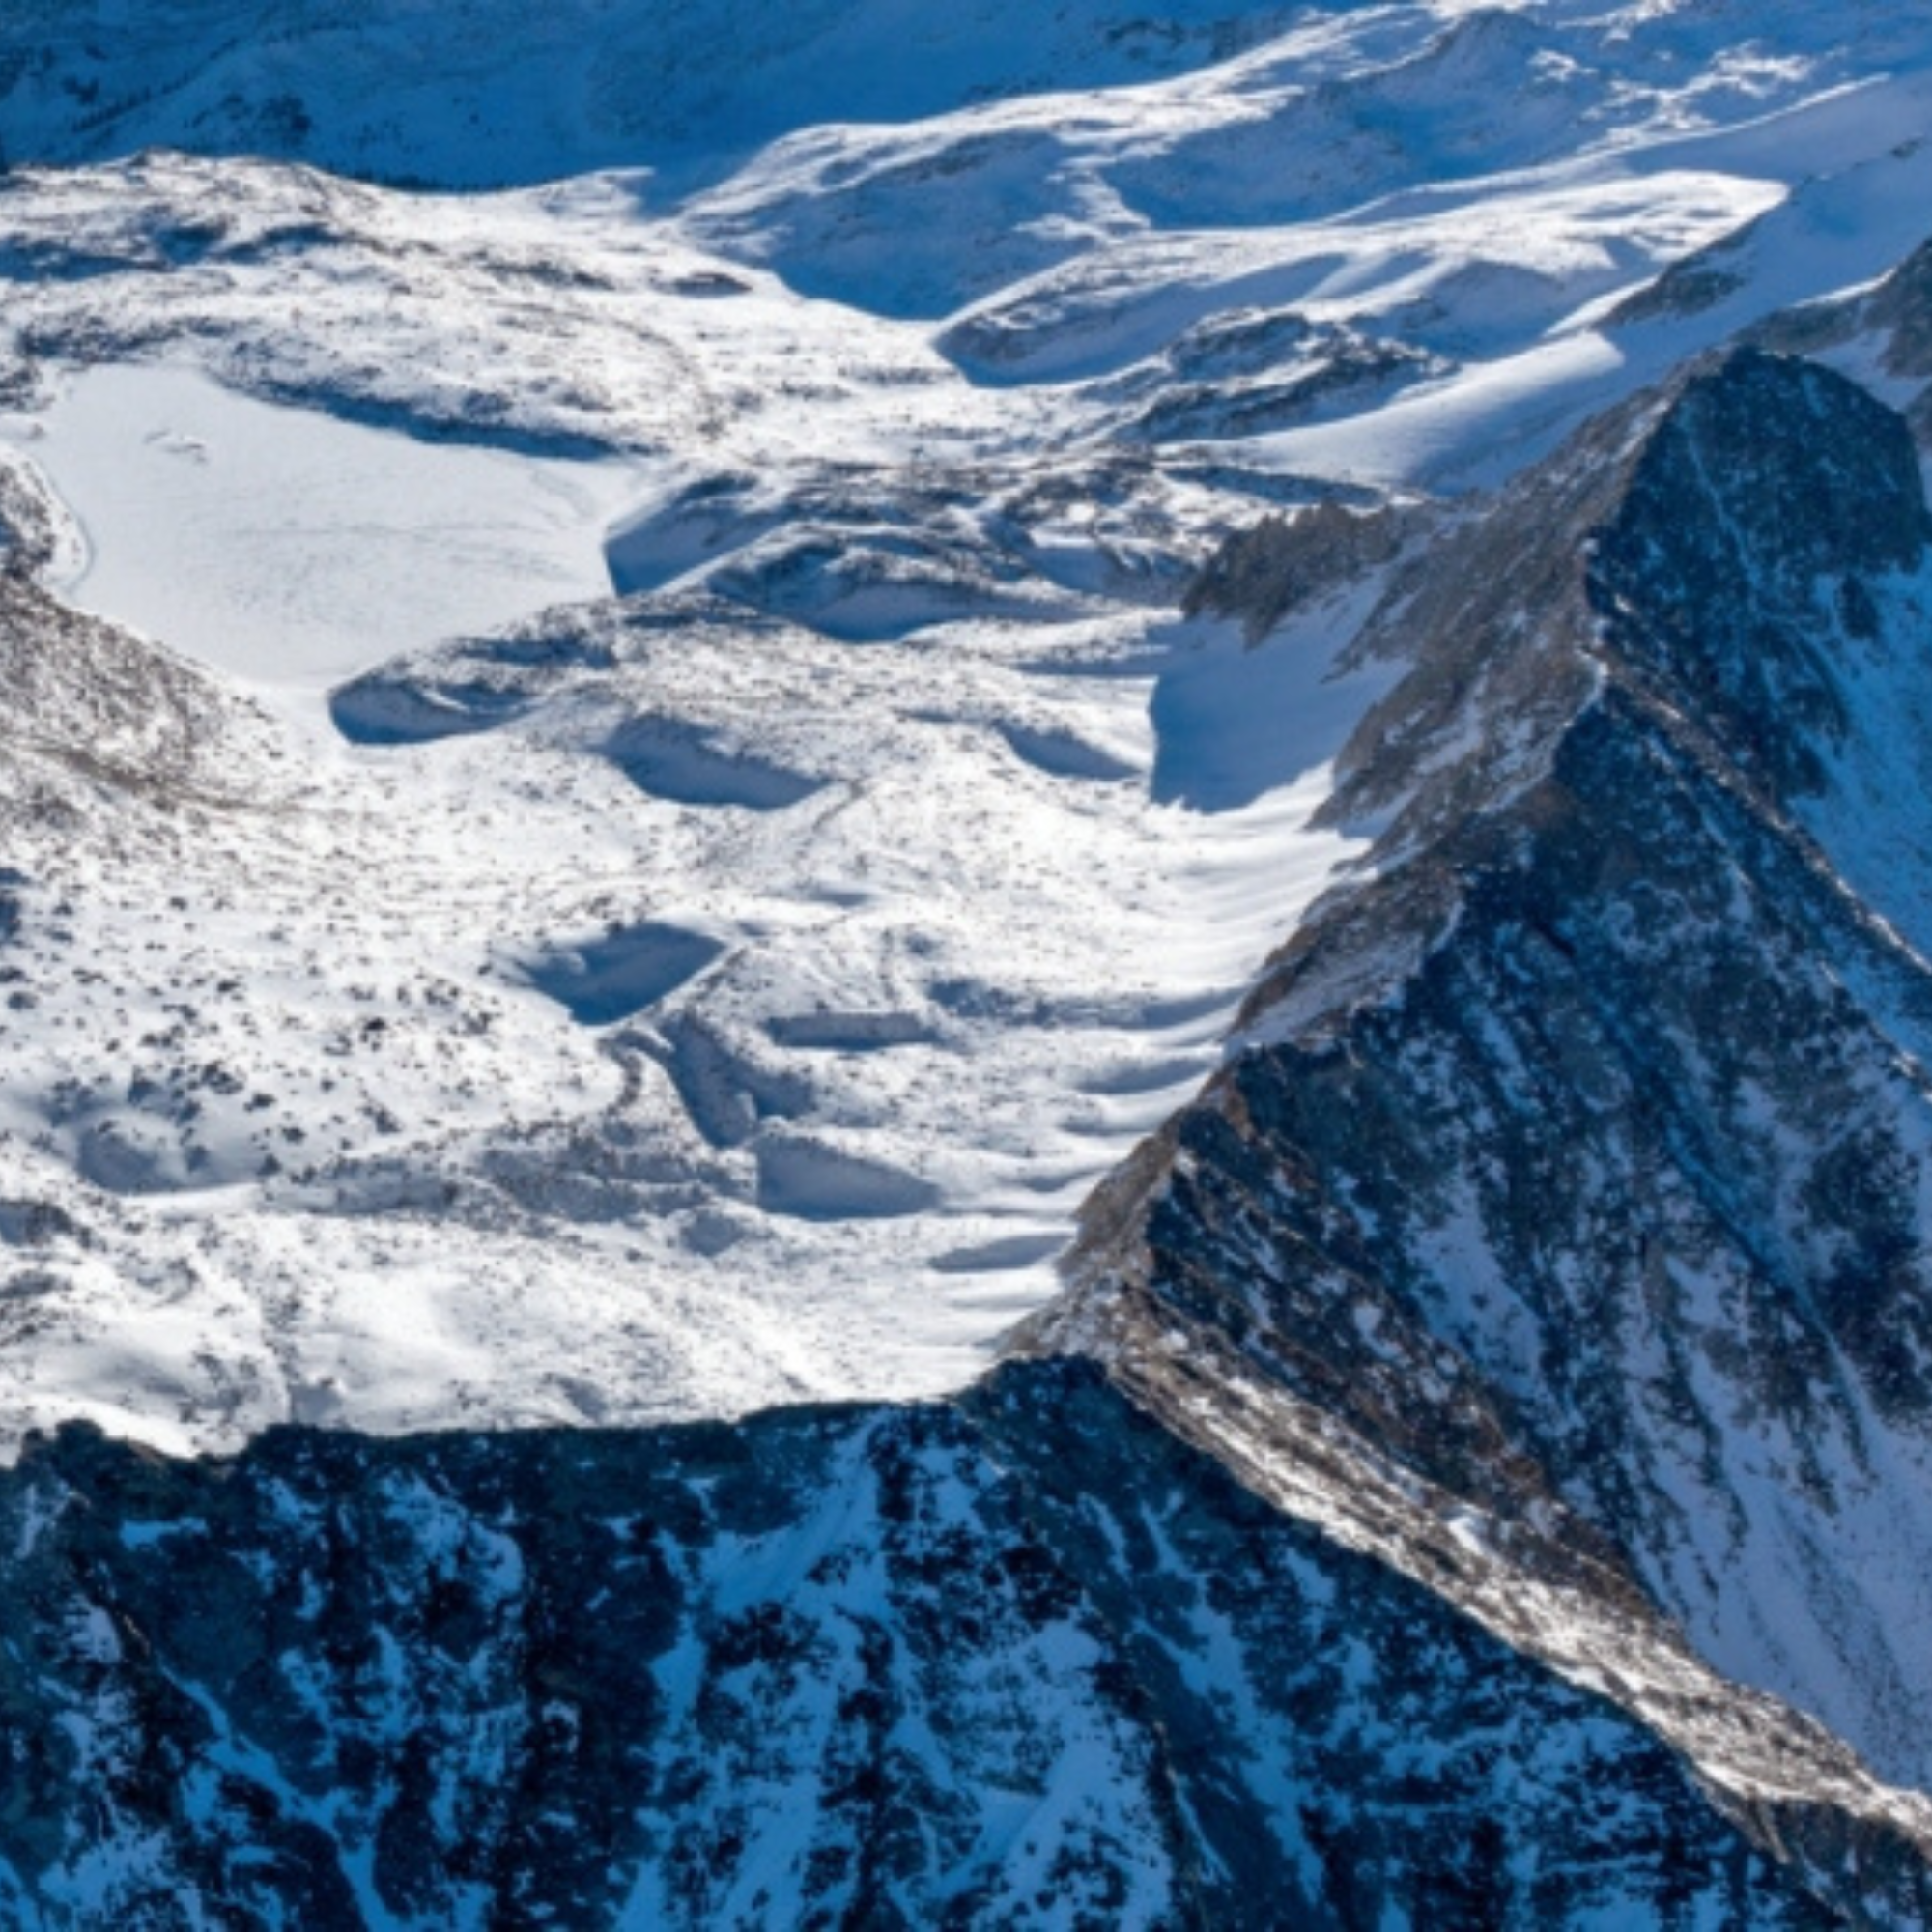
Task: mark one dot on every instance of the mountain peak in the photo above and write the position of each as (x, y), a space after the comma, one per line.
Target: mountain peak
(1768, 499)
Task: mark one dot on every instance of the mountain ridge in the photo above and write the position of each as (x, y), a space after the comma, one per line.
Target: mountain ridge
(1536, 1003)
(1331, 640)
(794, 1592)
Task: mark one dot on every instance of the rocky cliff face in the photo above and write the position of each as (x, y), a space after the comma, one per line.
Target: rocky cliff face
(1481, 1472)
(1024, 1660)
(1575, 1160)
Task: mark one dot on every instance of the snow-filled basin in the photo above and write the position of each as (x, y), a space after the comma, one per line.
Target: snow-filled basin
(288, 548)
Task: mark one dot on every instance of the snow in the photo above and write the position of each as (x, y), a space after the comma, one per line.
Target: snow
(500, 93)
(782, 1109)
(291, 548)
(740, 1007)
(623, 972)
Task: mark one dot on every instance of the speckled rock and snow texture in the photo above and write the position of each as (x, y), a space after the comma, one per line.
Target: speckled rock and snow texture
(1575, 1158)
(681, 690)
(1021, 1662)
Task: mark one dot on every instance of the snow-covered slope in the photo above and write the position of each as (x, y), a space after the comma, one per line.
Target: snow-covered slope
(669, 1004)
(665, 1049)
(500, 92)
(619, 793)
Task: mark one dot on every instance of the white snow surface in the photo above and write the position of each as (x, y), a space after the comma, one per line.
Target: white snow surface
(287, 549)
(746, 1016)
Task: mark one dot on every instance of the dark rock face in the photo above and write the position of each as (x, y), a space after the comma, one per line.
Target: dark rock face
(1023, 1661)
(1894, 316)
(1575, 1162)
(1281, 565)
(1764, 507)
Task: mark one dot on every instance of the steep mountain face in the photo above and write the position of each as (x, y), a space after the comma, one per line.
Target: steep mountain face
(1574, 1155)
(667, 827)
(1022, 1661)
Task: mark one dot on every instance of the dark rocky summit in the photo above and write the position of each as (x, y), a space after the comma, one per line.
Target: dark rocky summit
(1023, 1661)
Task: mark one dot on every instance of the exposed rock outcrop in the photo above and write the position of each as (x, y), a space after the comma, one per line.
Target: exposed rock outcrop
(1571, 1167)
(1026, 1661)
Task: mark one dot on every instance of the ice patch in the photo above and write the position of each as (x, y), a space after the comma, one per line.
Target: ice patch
(287, 548)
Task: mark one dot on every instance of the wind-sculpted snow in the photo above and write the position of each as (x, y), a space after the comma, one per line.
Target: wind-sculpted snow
(618, 1029)
(562, 322)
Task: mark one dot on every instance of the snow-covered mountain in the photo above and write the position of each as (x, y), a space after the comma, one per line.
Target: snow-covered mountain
(684, 689)
(637, 979)
(490, 92)
(1020, 1661)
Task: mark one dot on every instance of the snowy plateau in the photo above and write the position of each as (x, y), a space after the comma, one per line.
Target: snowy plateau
(965, 966)
(718, 834)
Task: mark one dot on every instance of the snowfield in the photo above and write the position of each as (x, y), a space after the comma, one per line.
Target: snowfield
(290, 549)
(744, 1026)
(718, 834)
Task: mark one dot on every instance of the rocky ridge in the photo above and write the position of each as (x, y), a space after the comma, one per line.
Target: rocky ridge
(1022, 1661)
(1569, 1162)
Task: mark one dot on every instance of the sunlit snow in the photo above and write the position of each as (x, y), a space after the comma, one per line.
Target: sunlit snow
(288, 548)
(744, 1009)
